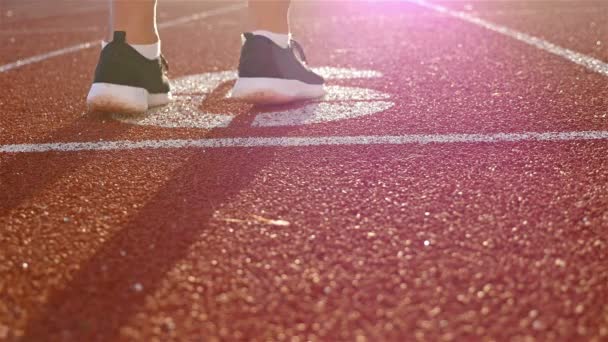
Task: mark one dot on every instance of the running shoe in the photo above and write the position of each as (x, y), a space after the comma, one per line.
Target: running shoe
(127, 82)
(270, 74)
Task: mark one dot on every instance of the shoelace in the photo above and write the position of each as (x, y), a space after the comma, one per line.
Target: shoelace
(164, 62)
(298, 48)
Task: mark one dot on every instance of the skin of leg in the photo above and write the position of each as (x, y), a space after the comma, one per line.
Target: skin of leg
(269, 15)
(137, 18)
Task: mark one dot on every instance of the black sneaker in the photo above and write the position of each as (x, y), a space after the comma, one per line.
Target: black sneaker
(127, 82)
(270, 74)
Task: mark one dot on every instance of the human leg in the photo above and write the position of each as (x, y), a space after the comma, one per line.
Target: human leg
(131, 73)
(272, 67)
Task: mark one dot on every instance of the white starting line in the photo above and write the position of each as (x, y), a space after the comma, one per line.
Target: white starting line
(408, 139)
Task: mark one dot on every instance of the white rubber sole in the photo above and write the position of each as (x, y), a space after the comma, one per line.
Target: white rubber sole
(259, 90)
(114, 98)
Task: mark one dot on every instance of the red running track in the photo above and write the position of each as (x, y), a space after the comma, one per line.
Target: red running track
(454, 241)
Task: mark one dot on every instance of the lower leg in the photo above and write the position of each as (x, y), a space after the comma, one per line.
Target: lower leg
(269, 15)
(137, 18)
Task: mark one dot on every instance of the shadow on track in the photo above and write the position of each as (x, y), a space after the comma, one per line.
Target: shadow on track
(100, 298)
(24, 175)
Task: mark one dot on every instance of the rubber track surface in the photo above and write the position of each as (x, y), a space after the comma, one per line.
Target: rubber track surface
(461, 241)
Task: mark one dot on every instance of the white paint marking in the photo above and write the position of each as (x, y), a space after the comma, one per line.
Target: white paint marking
(42, 57)
(190, 92)
(588, 62)
(202, 15)
(44, 31)
(37, 10)
(83, 46)
(321, 112)
(408, 139)
(540, 11)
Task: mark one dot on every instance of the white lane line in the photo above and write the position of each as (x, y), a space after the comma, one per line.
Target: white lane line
(573, 56)
(41, 57)
(46, 31)
(305, 141)
(86, 45)
(37, 10)
(202, 15)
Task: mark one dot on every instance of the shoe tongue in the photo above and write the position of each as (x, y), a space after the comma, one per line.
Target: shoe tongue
(119, 36)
